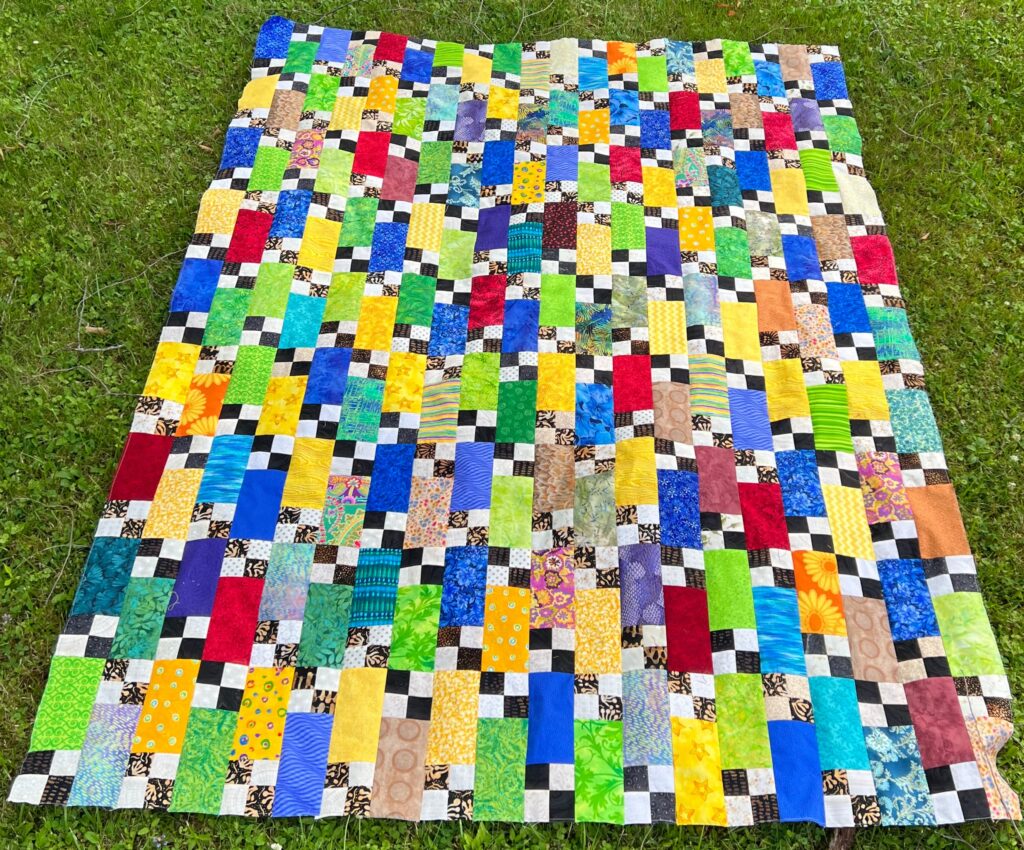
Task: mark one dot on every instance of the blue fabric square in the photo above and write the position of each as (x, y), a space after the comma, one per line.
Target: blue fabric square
(259, 502)
(464, 586)
(769, 79)
(846, 309)
(522, 320)
(417, 65)
(492, 227)
(679, 509)
(290, 218)
(778, 631)
(654, 129)
(595, 421)
(836, 712)
(593, 73)
(907, 599)
(752, 169)
(333, 45)
(797, 771)
(442, 102)
(303, 766)
(327, 375)
(751, 428)
(464, 185)
(829, 81)
(240, 145)
(448, 330)
(473, 474)
(195, 586)
(725, 186)
(388, 252)
(679, 57)
(647, 723)
(498, 162)
(391, 479)
(801, 258)
(801, 488)
(549, 731)
(302, 320)
(274, 37)
(225, 468)
(624, 107)
(106, 574)
(197, 283)
(563, 162)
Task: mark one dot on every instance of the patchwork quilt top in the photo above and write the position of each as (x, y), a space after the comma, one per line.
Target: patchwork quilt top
(536, 434)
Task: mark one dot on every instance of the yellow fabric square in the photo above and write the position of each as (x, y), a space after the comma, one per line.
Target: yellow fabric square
(452, 736)
(865, 392)
(696, 229)
(319, 244)
(348, 113)
(161, 726)
(739, 326)
(594, 127)
(506, 645)
(711, 76)
(426, 227)
(475, 68)
(556, 381)
(593, 249)
(383, 93)
(259, 93)
(636, 477)
(789, 191)
(846, 518)
(659, 187)
(697, 761)
(666, 322)
(171, 373)
(218, 210)
(376, 322)
(306, 483)
(598, 640)
(503, 103)
(528, 183)
(171, 511)
(282, 405)
(360, 704)
(403, 389)
(784, 383)
(260, 727)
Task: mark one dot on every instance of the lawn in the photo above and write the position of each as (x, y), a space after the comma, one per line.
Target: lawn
(113, 115)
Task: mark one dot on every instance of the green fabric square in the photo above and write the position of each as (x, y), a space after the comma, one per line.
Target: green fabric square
(64, 710)
(435, 162)
(629, 301)
(325, 625)
(480, 381)
(226, 319)
(817, 166)
(416, 300)
(300, 57)
(360, 409)
(597, 748)
(250, 376)
(508, 58)
(323, 91)
(268, 168)
(730, 598)
(913, 423)
(517, 411)
(456, 255)
(738, 61)
(409, 115)
(830, 417)
(594, 510)
(270, 294)
(142, 617)
(414, 634)
(563, 109)
(335, 171)
(627, 227)
(653, 73)
(733, 252)
(893, 339)
(199, 781)
(843, 133)
(345, 297)
(742, 722)
(512, 511)
(594, 182)
(448, 53)
(558, 300)
(966, 635)
(500, 760)
(358, 222)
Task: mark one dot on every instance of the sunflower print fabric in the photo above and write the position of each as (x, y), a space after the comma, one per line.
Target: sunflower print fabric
(536, 434)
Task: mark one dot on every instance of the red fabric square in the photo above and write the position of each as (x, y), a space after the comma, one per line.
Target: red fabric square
(631, 383)
(560, 225)
(141, 466)
(875, 262)
(684, 110)
(938, 722)
(716, 479)
(625, 165)
(250, 237)
(399, 179)
(764, 521)
(390, 47)
(487, 301)
(371, 154)
(236, 608)
(778, 131)
(687, 629)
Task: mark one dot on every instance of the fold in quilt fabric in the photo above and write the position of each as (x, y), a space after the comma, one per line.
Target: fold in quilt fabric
(536, 434)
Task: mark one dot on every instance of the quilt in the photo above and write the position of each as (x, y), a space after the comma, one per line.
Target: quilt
(536, 434)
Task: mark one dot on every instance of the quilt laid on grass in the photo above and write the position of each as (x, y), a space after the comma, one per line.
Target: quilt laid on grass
(536, 435)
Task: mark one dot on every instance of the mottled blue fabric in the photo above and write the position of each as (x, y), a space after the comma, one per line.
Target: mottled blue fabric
(327, 376)
(464, 586)
(752, 171)
(333, 45)
(292, 209)
(836, 716)
(196, 286)
(725, 186)
(499, 158)
(595, 421)
(797, 771)
(679, 508)
(911, 614)
(442, 102)
(522, 320)
(654, 129)
(388, 252)
(274, 38)
(240, 146)
(769, 79)
(417, 65)
(778, 631)
(302, 321)
(801, 487)
(448, 330)
(900, 780)
(392, 474)
(801, 258)
(646, 720)
(846, 309)
(829, 81)
(624, 106)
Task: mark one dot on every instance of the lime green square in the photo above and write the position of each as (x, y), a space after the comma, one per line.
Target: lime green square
(742, 722)
(817, 166)
(498, 775)
(594, 182)
(508, 58)
(517, 411)
(332, 177)
(653, 73)
(966, 635)
(251, 374)
(270, 295)
(733, 252)
(830, 417)
(627, 227)
(843, 134)
(227, 315)
(480, 372)
(268, 168)
(416, 300)
(357, 223)
(511, 511)
(414, 633)
(435, 162)
(323, 91)
(730, 598)
(409, 115)
(64, 710)
(738, 61)
(344, 297)
(599, 781)
(448, 53)
(456, 255)
(198, 782)
(558, 300)
(300, 57)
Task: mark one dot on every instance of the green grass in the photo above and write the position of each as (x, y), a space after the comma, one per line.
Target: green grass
(113, 115)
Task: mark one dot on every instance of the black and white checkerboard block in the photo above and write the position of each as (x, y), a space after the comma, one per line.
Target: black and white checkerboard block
(957, 793)
(882, 704)
(649, 793)
(828, 655)
(735, 651)
(750, 796)
(459, 648)
(850, 798)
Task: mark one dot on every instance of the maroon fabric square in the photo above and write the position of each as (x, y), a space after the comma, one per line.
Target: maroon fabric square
(684, 110)
(390, 48)
(250, 237)
(560, 225)
(631, 383)
(938, 722)
(399, 179)
(236, 608)
(875, 262)
(687, 629)
(716, 478)
(764, 521)
(625, 165)
(487, 301)
(141, 466)
(371, 154)
(778, 131)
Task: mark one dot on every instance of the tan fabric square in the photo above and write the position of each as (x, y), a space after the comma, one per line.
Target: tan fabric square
(871, 649)
(939, 525)
(553, 478)
(286, 110)
(794, 62)
(672, 412)
(746, 110)
(831, 237)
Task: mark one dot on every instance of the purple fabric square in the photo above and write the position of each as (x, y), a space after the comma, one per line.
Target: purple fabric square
(640, 573)
(470, 120)
(492, 228)
(333, 45)
(196, 583)
(563, 162)
(806, 115)
(663, 252)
